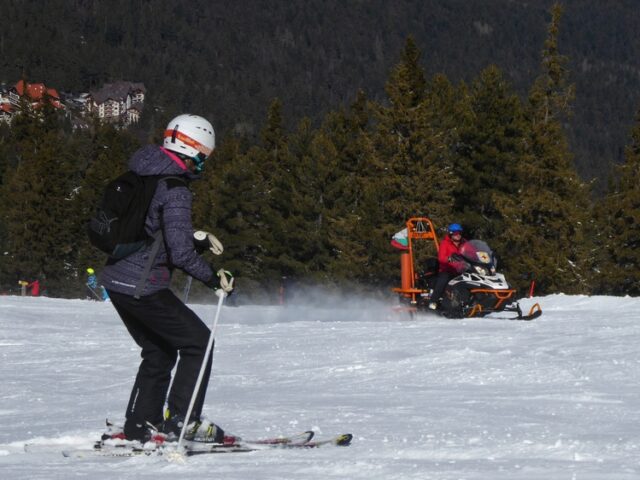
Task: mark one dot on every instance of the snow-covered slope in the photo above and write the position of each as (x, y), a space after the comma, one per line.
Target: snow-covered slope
(556, 398)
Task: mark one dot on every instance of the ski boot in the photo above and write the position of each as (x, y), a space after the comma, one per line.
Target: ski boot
(201, 430)
(138, 435)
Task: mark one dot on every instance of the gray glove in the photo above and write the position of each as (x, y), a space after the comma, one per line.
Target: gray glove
(205, 240)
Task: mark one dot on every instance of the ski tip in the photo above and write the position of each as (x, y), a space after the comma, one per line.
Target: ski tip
(534, 312)
(528, 318)
(344, 440)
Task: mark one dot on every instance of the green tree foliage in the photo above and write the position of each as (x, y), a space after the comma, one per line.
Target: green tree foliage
(274, 163)
(313, 172)
(229, 202)
(5, 154)
(5, 160)
(619, 237)
(319, 203)
(490, 146)
(230, 58)
(51, 187)
(344, 144)
(411, 175)
(38, 199)
(248, 199)
(413, 172)
(545, 224)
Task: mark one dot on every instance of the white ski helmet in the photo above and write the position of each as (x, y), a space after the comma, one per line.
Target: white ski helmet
(190, 135)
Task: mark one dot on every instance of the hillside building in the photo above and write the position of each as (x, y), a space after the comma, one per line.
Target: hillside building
(37, 94)
(119, 102)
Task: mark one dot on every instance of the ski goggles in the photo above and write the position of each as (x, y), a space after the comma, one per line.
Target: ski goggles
(198, 160)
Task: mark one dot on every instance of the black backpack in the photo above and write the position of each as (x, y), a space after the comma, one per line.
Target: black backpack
(117, 228)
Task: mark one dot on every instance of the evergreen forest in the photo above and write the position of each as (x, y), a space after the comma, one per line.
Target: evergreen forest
(316, 198)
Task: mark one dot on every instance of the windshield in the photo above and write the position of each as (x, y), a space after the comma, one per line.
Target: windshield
(477, 252)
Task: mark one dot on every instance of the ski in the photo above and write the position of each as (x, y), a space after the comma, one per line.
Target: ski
(135, 451)
(116, 441)
(115, 433)
(303, 437)
(120, 448)
(534, 313)
(342, 440)
(303, 441)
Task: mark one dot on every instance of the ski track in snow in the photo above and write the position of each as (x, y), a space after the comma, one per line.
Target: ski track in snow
(555, 398)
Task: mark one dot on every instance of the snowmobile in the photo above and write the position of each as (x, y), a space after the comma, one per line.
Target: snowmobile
(476, 292)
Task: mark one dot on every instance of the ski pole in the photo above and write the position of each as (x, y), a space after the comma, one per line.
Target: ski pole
(187, 289)
(221, 294)
(93, 291)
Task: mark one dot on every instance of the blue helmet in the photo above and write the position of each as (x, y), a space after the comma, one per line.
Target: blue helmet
(455, 227)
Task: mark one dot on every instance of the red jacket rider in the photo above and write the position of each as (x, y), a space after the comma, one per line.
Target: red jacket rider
(447, 268)
(449, 246)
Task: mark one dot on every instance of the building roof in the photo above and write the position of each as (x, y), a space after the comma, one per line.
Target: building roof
(35, 91)
(116, 91)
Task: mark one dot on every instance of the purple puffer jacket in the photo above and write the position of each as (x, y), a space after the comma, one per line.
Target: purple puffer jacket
(171, 209)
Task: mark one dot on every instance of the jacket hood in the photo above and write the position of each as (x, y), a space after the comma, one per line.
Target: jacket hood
(152, 160)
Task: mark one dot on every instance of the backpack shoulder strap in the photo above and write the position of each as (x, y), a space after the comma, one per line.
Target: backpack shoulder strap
(155, 248)
(158, 238)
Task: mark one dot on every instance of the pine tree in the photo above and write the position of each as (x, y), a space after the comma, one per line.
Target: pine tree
(412, 172)
(226, 204)
(345, 141)
(5, 150)
(39, 216)
(6, 147)
(491, 142)
(234, 213)
(545, 224)
(313, 172)
(619, 238)
(248, 200)
(275, 162)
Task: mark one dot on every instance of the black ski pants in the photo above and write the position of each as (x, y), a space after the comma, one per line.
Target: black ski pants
(442, 280)
(163, 326)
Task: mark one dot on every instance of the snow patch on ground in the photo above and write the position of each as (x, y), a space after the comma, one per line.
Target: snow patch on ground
(425, 399)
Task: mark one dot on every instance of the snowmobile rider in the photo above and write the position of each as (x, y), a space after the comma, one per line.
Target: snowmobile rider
(448, 267)
(159, 322)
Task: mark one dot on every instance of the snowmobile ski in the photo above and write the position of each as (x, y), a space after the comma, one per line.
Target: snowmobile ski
(534, 313)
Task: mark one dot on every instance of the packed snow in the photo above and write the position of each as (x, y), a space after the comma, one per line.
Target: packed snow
(428, 398)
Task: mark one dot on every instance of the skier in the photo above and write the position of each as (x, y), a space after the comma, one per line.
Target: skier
(35, 288)
(448, 266)
(159, 322)
(92, 285)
